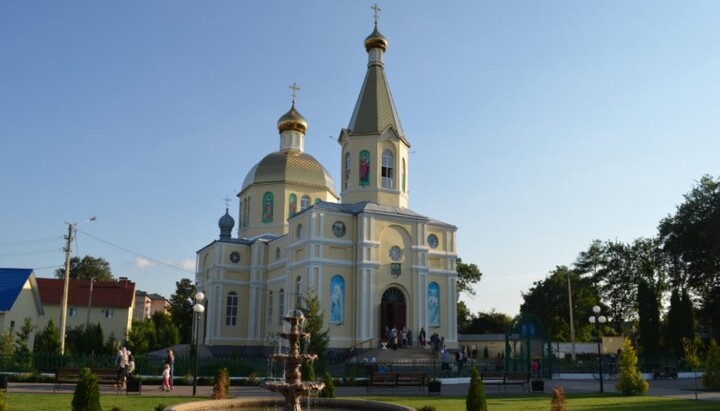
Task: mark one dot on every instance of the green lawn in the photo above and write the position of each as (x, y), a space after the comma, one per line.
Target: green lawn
(595, 402)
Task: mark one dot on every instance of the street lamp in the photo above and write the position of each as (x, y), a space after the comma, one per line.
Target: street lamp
(198, 309)
(598, 320)
(66, 286)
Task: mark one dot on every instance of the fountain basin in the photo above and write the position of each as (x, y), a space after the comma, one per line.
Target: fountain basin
(264, 403)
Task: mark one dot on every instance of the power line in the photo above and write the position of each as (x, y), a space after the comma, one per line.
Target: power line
(22, 253)
(26, 242)
(135, 254)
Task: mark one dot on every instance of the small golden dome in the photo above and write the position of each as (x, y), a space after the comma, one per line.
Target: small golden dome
(292, 120)
(375, 40)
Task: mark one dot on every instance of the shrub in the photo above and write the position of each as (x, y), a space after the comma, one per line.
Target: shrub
(711, 378)
(160, 407)
(222, 384)
(328, 390)
(557, 403)
(87, 392)
(475, 400)
(630, 381)
(307, 372)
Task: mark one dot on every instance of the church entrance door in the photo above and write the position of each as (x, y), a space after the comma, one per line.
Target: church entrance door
(392, 312)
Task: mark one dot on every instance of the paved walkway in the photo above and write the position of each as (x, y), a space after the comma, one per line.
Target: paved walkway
(680, 388)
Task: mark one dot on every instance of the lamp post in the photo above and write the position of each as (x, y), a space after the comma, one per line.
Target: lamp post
(198, 309)
(66, 285)
(597, 320)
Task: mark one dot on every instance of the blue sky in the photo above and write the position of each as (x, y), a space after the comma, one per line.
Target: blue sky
(536, 127)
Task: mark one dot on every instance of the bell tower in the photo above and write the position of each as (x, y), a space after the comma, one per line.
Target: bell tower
(374, 154)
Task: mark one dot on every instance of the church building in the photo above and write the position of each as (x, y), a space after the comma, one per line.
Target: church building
(363, 253)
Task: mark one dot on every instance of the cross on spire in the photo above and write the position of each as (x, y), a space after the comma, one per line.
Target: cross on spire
(227, 201)
(376, 11)
(294, 89)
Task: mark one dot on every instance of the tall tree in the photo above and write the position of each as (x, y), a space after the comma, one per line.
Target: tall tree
(548, 300)
(691, 237)
(673, 324)
(319, 338)
(181, 310)
(649, 319)
(87, 268)
(22, 342)
(468, 275)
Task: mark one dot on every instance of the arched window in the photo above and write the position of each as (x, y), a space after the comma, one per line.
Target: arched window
(433, 304)
(387, 169)
(347, 170)
(292, 205)
(241, 223)
(270, 307)
(404, 174)
(232, 308)
(267, 207)
(281, 297)
(305, 202)
(298, 294)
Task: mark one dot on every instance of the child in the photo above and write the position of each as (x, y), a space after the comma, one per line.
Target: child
(166, 378)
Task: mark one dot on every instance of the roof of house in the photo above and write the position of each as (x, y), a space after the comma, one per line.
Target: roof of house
(12, 281)
(109, 294)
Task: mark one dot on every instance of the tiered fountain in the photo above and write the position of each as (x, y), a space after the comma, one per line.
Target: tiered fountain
(293, 388)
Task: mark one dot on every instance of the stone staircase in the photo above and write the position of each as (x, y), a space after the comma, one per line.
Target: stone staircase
(410, 354)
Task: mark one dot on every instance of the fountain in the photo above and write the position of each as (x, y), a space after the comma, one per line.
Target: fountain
(293, 388)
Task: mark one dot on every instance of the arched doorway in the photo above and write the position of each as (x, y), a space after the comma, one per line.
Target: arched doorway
(392, 311)
(526, 342)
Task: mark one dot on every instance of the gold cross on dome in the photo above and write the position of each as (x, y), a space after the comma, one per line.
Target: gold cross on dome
(294, 89)
(375, 12)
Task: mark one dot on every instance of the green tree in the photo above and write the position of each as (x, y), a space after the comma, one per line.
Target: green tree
(168, 333)
(691, 358)
(319, 339)
(142, 336)
(48, 340)
(181, 310)
(548, 300)
(673, 321)
(22, 343)
(691, 237)
(87, 268)
(468, 275)
(486, 323)
(649, 320)
(464, 317)
(630, 380)
(7, 343)
(475, 400)
(711, 377)
(87, 392)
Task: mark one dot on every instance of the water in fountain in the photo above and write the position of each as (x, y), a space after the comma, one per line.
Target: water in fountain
(293, 388)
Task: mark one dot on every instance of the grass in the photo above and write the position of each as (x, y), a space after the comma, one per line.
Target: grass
(579, 402)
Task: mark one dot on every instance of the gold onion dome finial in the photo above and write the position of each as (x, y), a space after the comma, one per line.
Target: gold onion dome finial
(375, 39)
(292, 120)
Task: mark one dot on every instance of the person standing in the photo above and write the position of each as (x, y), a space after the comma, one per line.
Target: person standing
(170, 361)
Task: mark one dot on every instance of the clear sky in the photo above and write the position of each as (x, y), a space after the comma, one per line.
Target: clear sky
(536, 126)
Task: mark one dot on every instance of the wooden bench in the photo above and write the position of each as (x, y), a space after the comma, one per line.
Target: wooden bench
(503, 379)
(72, 376)
(397, 380)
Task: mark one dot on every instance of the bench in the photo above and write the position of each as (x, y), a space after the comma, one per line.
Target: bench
(503, 379)
(72, 376)
(397, 380)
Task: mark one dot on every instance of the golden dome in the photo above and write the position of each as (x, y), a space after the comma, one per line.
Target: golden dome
(375, 40)
(300, 169)
(292, 120)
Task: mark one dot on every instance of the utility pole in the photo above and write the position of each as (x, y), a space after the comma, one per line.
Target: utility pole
(572, 323)
(66, 286)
